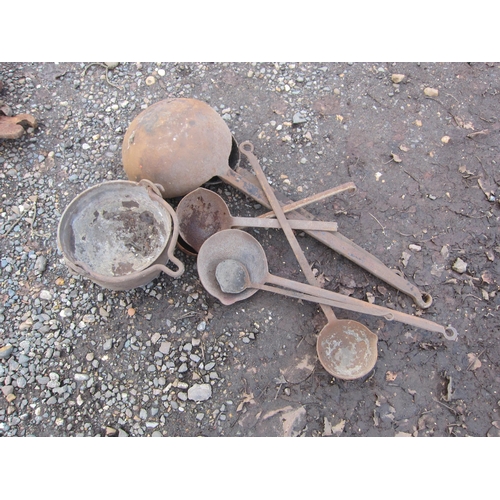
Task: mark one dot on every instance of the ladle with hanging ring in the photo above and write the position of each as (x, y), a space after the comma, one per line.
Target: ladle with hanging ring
(183, 143)
(242, 246)
(347, 349)
(202, 213)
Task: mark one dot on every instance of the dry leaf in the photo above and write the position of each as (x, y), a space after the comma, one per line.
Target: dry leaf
(480, 132)
(487, 277)
(405, 257)
(337, 429)
(327, 427)
(404, 148)
(391, 376)
(396, 158)
(474, 362)
(340, 118)
(485, 187)
(247, 398)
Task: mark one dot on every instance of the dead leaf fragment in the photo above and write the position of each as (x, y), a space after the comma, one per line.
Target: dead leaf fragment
(445, 139)
(337, 429)
(293, 421)
(404, 148)
(485, 188)
(391, 376)
(405, 257)
(403, 434)
(247, 398)
(396, 158)
(487, 277)
(474, 362)
(430, 92)
(480, 132)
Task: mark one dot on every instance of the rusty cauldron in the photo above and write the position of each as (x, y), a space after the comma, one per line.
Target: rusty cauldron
(120, 235)
(179, 144)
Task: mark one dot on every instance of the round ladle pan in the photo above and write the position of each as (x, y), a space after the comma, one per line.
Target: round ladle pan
(347, 349)
(202, 213)
(243, 247)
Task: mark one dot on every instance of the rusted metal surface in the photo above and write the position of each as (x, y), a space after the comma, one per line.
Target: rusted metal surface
(202, 213)
(347, 349)
(119, 234)
(179, 144)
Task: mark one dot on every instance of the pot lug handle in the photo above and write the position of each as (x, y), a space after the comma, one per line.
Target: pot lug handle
(80, 267)
(175, 234)
(157, 188)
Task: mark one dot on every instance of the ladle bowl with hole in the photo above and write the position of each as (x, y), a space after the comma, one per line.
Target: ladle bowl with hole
(239, 246)
(202, 213)
(119, 234)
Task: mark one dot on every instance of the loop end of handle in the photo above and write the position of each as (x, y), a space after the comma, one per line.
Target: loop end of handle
(450, 336)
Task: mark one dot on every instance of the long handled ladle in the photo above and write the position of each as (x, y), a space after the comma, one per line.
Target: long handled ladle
(351, 348)
(233, 244)
(202, 213)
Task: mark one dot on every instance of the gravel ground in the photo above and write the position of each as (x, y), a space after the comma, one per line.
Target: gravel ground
(167, 359)
(77, 360)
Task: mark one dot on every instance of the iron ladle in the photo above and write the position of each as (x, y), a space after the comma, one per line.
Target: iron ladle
(242, 246)
(346, 349)
(202, 213)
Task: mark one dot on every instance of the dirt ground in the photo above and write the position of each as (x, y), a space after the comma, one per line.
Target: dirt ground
(422, 150)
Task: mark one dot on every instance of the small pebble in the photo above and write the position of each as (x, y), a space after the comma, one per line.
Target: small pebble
(459, 266)
(200, 392)
(6, 351)
(430, 92)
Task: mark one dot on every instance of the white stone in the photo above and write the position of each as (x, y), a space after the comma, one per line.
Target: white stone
(200, 392)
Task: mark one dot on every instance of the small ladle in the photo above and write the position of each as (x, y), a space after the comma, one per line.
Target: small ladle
(202, 213)
(347, 349)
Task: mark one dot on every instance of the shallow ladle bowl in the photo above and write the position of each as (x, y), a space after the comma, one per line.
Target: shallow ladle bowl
(240, 246)
(202, 213)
